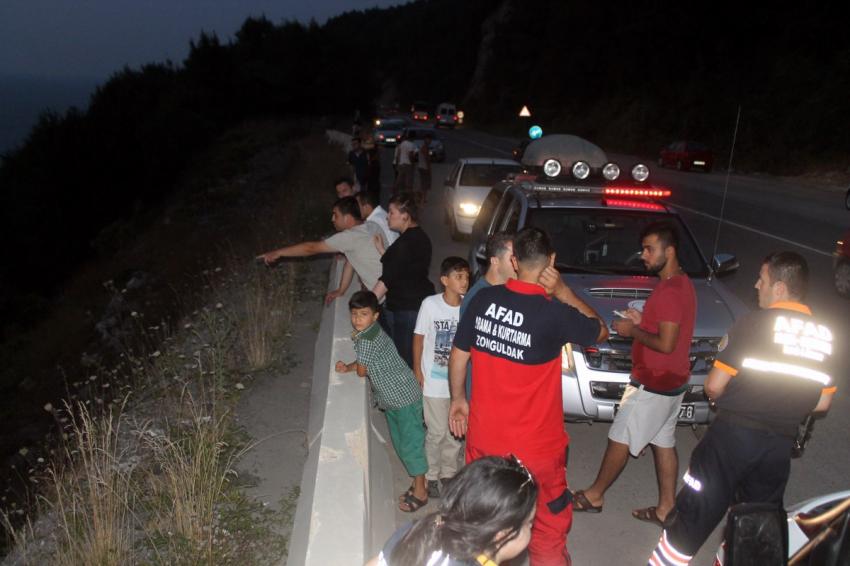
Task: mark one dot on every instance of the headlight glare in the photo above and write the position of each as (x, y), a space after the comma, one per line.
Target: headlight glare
(611, 171)
(468, 209)
(551, 167)
(581, 170)
(640, 172)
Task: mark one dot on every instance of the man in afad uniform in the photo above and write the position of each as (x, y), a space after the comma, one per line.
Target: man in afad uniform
(772, 370)
(514, 334)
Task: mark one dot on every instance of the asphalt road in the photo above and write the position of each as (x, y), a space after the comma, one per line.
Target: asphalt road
(761, 215)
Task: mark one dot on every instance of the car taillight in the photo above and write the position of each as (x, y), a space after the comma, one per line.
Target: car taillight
(629, 192)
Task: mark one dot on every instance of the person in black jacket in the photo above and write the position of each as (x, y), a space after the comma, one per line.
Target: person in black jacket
(404, 280)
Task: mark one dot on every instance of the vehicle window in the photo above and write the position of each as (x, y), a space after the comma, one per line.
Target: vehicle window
(511, 222)
(452, 180)
(391, 125)
(501, 211)
(609, 240)
(485, 215)
(695, 146)
(486, 175)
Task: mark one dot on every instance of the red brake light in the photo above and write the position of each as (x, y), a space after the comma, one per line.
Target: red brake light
(633, 204)
(591, 350)
(629, 192)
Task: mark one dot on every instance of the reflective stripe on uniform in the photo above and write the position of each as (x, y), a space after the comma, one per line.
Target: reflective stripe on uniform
(787, 369)
(665, 554)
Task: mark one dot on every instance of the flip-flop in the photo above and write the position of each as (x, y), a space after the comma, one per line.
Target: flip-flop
(405, 494)
(582, 504)
(413, 503)
(648, 515)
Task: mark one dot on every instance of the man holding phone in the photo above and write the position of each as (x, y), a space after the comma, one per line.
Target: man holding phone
(649, 409)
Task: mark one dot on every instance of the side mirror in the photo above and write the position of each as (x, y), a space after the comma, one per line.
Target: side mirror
(756, 533)
(725, 263)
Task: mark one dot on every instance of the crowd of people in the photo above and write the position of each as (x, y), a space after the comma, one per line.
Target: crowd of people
(478, 371)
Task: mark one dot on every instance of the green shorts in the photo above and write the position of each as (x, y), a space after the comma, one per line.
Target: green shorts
(408, 435)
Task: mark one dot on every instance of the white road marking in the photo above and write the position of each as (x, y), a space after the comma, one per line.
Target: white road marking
(751, 229)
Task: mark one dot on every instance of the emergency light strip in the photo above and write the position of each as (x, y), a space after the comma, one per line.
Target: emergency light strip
(627, 192)
(787, 369)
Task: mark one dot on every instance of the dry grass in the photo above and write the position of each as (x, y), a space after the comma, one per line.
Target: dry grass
(269, 303)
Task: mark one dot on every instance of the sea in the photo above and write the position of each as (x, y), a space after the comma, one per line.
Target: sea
(23, 98)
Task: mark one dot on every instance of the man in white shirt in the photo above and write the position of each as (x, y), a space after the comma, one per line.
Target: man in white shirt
(371, 211)
(403, 160)
(354, 239)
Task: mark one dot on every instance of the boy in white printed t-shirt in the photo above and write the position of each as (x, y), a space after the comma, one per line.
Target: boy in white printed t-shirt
(432, 344)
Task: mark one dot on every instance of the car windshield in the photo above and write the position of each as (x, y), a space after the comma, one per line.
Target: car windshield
(696, 146)
(486, 174)
(594, 240)
(420, 107)
(391, 125)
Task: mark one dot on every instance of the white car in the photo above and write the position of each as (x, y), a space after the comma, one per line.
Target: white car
(468, 185)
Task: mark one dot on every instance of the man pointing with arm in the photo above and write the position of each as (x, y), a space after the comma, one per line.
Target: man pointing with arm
(514, 335)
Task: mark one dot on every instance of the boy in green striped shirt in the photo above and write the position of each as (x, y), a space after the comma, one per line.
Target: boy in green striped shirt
(396, 391)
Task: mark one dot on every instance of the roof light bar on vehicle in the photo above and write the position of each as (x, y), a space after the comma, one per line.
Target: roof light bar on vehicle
(642, 205)
(552, 167)
(581, 170)
(640, 172)
(630, 192)
(611, 171)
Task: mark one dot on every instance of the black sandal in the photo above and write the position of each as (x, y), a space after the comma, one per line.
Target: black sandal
(413, 503)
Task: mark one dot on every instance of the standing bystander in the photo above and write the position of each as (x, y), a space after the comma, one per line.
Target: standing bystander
(344, 187)
(661, 367)
(358, 160)
(773, 369)
(514, 334)
(371, 211)
(403, 160)
(404, 279)
(432, 343)
(423, 166)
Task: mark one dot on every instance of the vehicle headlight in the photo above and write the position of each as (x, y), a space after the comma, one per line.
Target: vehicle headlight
(377, 122)
(581, 170)
(551, 167)
(468, 209)
(611, 171)
(640, 172)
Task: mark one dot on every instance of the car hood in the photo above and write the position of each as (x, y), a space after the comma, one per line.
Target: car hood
(716, 310)
(472, 193)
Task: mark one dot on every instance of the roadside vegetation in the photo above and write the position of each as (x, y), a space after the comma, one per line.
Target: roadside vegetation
(143, 465)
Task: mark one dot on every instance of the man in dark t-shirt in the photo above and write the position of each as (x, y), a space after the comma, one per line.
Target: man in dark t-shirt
(773, 369)
(649, 410)
(514, 335)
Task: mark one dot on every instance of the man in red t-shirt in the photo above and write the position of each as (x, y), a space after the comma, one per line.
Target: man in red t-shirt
(514, 334)
(661, 339)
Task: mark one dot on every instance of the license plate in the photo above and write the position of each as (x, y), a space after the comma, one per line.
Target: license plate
(699, 162)
(686, 411)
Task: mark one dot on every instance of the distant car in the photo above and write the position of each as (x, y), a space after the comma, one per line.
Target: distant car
(468, 185)
(446, 115)
(417, 136)
(841, 265)
(420, 111)
(389, 131)
(686, 155)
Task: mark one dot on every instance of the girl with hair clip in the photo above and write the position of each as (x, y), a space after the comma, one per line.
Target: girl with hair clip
(484, 518)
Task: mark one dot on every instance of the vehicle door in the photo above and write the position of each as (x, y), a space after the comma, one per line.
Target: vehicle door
(451, 186)
(490, 218)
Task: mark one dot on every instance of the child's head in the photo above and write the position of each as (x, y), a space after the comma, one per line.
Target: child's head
(364, 309)
(487, 508)
(454, 275)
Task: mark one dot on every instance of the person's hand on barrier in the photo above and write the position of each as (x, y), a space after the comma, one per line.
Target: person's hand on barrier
(342, 367)
(332, 296)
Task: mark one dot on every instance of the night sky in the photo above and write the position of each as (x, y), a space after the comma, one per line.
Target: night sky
(93, 38)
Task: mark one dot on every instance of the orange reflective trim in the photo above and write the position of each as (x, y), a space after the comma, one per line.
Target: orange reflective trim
(829, 390)
(791, 306)
(728, 369)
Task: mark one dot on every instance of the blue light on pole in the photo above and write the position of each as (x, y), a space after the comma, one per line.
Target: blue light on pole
(534, 132)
